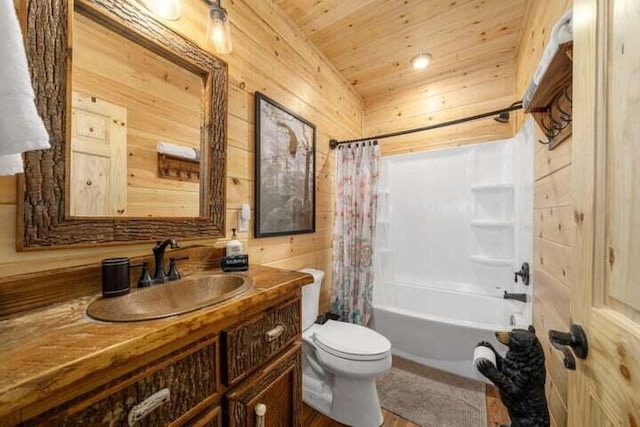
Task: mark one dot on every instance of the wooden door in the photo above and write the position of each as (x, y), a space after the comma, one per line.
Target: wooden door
(605, 388)
(98, 171)
(277, 388)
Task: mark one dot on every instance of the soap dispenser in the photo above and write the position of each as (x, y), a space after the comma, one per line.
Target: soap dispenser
(234, 246)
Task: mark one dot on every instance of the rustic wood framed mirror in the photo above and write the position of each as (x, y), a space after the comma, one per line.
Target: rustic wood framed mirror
(49, 216)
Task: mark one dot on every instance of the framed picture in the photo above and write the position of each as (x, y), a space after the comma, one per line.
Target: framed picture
(285, 171)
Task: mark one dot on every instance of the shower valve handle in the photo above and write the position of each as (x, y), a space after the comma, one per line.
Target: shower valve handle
(524, 273)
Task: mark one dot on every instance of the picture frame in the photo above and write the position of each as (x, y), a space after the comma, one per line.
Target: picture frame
(285, 170)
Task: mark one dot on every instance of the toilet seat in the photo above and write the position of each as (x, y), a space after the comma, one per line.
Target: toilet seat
(351, 342)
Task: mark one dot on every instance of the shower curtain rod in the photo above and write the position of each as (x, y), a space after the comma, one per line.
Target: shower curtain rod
(333, 143)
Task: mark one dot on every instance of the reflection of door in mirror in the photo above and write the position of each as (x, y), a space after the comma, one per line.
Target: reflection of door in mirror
(115, 80)
(98, 157)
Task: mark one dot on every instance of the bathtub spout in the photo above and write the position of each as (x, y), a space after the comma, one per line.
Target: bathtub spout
(517, 297)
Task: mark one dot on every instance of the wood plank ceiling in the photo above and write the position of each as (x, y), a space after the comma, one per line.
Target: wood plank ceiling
(371, 42)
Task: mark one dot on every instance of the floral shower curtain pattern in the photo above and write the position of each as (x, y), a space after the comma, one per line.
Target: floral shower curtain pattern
(353, 231)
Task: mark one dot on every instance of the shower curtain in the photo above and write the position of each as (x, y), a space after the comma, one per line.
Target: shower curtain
(353, 231)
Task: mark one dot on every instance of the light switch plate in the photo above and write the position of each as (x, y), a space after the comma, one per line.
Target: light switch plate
(244, 215)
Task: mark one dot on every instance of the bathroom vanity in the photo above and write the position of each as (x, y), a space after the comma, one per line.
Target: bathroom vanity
(227, 364)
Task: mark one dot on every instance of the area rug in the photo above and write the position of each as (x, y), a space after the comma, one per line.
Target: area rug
(432, 398)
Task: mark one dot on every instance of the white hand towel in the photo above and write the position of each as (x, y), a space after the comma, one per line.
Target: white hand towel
(562, 33)
(176, 150)
(21, 129)
(10, 164)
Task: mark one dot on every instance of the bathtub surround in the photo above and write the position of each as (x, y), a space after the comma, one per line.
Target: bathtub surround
(446, 251)
(432, 398)
(353, 231)
(21, 129)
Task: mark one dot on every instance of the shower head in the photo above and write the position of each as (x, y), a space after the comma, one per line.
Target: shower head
(503, 117)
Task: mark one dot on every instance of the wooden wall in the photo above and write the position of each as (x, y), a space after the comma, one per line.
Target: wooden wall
(270, 55)
(553, 213)
(461, 94)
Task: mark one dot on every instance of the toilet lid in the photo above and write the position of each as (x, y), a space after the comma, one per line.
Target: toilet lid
(350, 341)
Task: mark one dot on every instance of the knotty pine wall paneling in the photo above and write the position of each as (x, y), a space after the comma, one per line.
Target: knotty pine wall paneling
(272, 56)
(440, 99)
(553, 212)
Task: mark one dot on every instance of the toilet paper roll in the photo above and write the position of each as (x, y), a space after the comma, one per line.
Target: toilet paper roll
(482, 352)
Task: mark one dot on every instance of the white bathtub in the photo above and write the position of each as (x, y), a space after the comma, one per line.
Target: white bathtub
(440, 328)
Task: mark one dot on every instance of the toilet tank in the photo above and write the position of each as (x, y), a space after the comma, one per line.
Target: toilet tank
(311, 297)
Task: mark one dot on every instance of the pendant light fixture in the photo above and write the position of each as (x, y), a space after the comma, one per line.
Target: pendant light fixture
(218, 28)
(170, 10)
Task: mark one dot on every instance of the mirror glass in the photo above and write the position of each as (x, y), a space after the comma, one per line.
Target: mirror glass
(136, 135)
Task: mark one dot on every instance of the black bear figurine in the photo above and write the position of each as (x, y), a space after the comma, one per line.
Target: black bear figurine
(520, 377)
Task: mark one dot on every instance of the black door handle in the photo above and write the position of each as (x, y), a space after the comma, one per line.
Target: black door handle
(576, 339)
(568, 360)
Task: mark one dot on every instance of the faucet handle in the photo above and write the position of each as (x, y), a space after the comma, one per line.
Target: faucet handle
(525, 273)
(145, 279)
(174, 274)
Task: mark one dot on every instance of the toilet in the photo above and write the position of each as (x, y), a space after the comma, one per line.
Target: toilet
(341, 362)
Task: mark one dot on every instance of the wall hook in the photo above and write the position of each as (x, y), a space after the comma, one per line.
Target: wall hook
(554, 127)
(565, 92)
(565, 116)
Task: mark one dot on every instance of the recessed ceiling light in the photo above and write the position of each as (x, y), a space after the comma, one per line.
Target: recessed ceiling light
(421, 61)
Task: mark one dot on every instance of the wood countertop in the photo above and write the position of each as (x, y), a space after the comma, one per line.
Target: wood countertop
(53, 354)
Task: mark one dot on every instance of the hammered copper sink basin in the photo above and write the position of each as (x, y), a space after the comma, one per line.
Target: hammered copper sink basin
(171, 298)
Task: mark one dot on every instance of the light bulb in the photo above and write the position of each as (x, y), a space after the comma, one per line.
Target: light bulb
(219, 30)
(421, 61)
(166, 9)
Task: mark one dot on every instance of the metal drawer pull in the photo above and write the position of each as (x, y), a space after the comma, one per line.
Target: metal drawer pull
(260, 410)
(275, 333)
(148, 405)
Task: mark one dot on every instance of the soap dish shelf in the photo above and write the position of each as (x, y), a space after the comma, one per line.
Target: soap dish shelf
(490, 223)
(485, 260)
(501, 186)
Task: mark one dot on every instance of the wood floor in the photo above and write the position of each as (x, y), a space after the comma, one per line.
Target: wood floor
(496, 415)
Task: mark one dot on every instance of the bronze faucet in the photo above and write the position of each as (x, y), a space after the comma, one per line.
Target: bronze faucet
(159, 276)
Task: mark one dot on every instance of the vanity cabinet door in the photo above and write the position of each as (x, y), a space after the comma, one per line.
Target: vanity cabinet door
(182, 383)
(270, 398)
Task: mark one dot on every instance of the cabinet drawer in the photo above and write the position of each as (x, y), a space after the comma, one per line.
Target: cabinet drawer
(250, 344)
(190, 374)
(277, 388)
